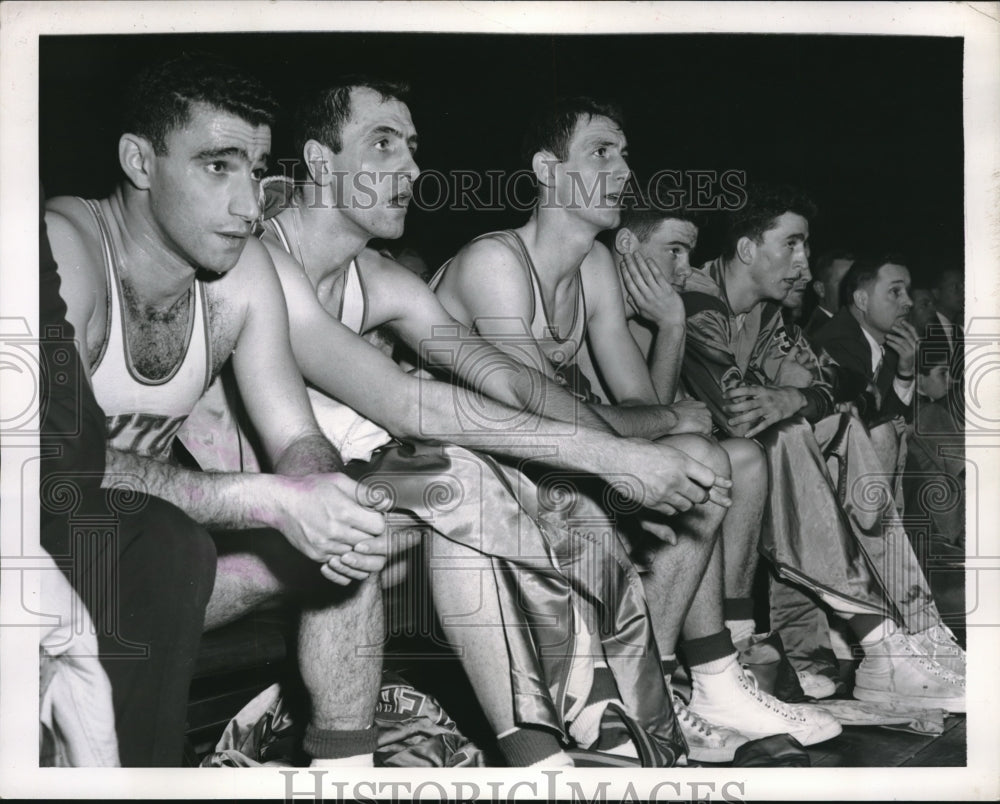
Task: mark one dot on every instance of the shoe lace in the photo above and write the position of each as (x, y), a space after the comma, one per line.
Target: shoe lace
(929, 664)
(690, 719)
(944, 643)
(768, 701)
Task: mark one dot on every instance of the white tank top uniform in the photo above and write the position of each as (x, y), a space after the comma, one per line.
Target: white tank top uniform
(142, 415)
(352, 434)
(214, 438)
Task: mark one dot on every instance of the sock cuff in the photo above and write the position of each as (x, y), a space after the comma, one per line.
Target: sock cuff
(737, 608)
(708, 649)
(668, 665)
(335, 743)
(524, 747)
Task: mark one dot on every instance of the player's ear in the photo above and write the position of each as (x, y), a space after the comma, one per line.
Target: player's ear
(860, 299)
(317, 159)
(746, 250)
(135, 155)
(819, 289)
(626, 242)
(543, 165)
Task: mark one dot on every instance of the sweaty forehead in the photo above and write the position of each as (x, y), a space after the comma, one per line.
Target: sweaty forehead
(212, 129)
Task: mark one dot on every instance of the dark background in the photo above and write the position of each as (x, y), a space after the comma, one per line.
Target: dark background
(870, 126)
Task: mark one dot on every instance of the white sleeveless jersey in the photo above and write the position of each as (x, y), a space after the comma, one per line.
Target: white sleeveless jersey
(142, 416)
(212, 434)
(352, 434)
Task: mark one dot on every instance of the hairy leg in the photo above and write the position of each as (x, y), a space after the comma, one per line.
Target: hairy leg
(341, 631)
(684, 581)
(340, 657)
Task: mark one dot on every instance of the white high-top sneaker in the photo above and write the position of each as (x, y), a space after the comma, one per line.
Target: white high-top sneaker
(731, 699)
(706, 741)
(896, 671)
(938, 643)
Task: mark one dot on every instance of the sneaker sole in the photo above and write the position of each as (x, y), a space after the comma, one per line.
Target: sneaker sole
(956, 705)
(828, 732)
(712, 754)
(822, 734)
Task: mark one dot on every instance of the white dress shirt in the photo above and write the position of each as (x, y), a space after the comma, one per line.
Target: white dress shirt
(903, 388)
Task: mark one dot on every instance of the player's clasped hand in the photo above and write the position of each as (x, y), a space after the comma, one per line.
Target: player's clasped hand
(692, 417)
(676, 482)
(323, 519)
(796, 369)
(761, 406)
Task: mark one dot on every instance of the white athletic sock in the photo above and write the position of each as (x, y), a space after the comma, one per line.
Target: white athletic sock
(714, 667)
(740, 629)
(585, 728)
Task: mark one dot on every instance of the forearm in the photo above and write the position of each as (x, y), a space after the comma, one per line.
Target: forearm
(216, 500)
(638, 421)
(444, 413)
(519, 385)
(534, 392)
(665, 358)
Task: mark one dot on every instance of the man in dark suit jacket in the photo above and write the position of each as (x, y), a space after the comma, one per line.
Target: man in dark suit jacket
(872, 341)
(827, 275)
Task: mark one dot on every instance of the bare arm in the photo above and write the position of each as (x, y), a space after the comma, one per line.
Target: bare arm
(81, 274)
(415, 314)
(651, 296)
(350, 369)
(487, 285)
(639, 412)
(318, 513)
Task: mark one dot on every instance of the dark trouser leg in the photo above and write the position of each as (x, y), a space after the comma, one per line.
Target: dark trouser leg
(804, 629)
(164, 568)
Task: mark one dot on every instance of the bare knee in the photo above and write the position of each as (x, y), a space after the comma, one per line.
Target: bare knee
(703, 449)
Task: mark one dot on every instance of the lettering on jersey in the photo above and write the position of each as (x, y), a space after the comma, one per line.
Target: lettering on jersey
(145, 434)
(782, 341)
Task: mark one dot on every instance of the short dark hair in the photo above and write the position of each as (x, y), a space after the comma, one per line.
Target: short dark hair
(643, 219)
(551, 128)
(159, 98)
(826, 260)
(765, 203)
(863, 273)
(322, 114)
